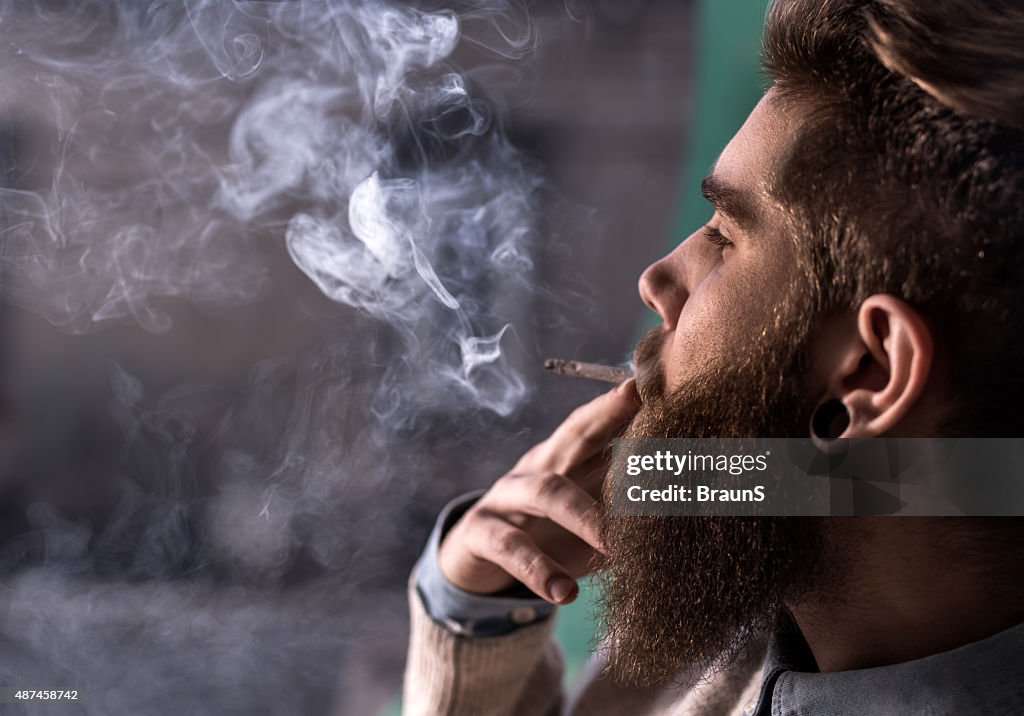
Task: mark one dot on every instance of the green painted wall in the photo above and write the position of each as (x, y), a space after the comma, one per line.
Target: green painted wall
(728, 85)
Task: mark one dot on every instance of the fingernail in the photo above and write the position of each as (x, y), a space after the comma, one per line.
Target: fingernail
(562, 589)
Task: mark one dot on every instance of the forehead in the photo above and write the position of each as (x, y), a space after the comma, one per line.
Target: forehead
(748, 158)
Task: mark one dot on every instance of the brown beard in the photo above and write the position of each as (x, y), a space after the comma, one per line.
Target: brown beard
(686, 594)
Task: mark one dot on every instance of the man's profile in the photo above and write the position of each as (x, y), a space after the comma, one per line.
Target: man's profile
(861, 276)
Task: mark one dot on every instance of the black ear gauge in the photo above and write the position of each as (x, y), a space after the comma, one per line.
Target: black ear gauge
(829, 420)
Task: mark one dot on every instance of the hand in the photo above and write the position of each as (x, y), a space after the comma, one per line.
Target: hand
(539, 524)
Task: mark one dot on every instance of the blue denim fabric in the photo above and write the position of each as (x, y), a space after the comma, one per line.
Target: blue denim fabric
(983, 677)
(465, 613)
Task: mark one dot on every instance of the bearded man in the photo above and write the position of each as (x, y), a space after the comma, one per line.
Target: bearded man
(862, 272)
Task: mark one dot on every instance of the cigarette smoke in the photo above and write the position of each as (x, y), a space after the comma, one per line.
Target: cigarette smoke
(177, 151)
(344, 110)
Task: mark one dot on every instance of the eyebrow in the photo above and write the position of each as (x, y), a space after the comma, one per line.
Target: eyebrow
(735, 203)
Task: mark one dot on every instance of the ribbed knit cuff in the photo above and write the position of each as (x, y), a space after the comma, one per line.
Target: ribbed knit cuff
(450, 674)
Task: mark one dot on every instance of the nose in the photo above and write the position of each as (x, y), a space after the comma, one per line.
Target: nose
(662, 287)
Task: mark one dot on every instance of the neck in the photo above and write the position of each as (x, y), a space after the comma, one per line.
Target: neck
(911, 587)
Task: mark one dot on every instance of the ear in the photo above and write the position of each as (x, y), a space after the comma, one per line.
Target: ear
(880, 367)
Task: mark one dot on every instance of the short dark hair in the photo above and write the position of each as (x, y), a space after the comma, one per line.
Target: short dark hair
(907, 175)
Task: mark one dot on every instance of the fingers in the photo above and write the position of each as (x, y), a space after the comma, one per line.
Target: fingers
(540, 521)
(585, 433)
(603, 416)
(550, 496)
(530, 528)
(515, 552)
(590, 474)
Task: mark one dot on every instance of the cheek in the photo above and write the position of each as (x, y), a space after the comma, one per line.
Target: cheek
(724, 314)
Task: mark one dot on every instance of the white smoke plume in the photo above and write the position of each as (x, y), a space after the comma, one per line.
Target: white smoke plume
(232, 548)
(403, 197)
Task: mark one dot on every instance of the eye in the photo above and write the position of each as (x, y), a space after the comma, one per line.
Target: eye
(716, 237)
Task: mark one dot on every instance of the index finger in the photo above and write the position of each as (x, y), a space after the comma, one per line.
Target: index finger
(585, 433)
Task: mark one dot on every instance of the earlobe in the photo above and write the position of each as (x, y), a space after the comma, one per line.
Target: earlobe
(829, 421)
(892, 370)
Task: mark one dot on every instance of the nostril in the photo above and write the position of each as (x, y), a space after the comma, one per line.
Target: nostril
(648, 286)
(659, 292)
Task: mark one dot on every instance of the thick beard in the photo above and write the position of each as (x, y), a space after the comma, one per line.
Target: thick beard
(686, 595)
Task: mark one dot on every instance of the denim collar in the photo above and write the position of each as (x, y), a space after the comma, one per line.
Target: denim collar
(985, 676)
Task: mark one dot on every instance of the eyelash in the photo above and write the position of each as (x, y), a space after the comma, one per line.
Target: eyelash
(715, 236)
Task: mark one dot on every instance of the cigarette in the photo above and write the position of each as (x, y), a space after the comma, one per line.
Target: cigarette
(594, 371)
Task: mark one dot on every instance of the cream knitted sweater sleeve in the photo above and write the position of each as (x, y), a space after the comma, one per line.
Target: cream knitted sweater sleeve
(520, 674)
(514, 674)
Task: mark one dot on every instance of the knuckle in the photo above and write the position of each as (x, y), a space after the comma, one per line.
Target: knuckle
(577, 508)
(506, 542)
(584, 510)
(549, 485)
(475, 516)
(535, 566)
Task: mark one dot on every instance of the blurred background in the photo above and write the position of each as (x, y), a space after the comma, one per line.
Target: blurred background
(278, 280)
